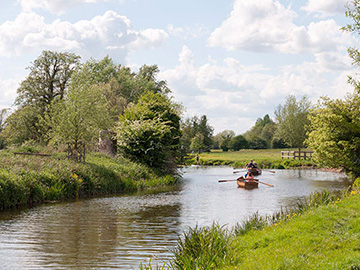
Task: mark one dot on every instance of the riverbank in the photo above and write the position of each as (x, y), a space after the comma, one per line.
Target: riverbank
(30, 180)
(265, 158)
(323, 232)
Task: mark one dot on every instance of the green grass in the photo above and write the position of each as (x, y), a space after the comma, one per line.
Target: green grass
(327, 237)
(266, 158)
(29, 180)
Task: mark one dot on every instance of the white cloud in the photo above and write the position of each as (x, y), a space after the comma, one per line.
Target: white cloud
(267, 26)
(149, 38)
(326, 7)
(110, 33)
(7, 92)
(187, 32)
(234, 95)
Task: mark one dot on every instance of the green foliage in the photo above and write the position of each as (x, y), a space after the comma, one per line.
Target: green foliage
(47, 82)
(292, 121)
(21, 126)
(222, 140)
(199, 128)
(149, 131)
(261, 134)
(257, 143)
(239, 142)
(203, 248)
(197, 142)
(77, 120)
(32, 180)
(334, 134)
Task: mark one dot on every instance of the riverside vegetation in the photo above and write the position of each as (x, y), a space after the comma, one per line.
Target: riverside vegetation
(29, 180)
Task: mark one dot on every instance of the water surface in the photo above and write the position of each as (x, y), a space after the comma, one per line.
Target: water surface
(122, 231)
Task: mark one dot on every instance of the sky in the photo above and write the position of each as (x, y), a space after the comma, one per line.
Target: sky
(232, 60)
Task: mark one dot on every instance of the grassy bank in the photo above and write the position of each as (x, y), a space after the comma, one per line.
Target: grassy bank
(265, 158)
(321, 233)
(29, 180)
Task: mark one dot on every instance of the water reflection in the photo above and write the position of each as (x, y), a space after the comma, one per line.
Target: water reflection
(120, 232)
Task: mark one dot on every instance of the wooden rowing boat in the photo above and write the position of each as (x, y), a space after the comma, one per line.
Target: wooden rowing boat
(247, 184)
(254, 171)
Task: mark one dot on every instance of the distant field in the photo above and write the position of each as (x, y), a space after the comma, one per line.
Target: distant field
(266, 158)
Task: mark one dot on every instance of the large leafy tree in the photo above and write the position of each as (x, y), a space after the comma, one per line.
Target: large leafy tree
(197, 134)
(48, 79)
(292, 121)
(149, 131)
(263, 130)
(239, 142)
(46, 83)
(77, 120)
(335, 133)
(223, 139)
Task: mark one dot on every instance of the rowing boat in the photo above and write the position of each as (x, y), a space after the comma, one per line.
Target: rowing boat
(247, 184)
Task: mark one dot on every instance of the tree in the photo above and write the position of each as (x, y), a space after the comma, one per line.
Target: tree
(292, 121)
(149, 131)
(335, 133)
(197, 143)
(263, 129)
(48, 79)
(78, 119)
(47, 82)
(207, 131)
(193, 126)
(257, 143)
(223, 139)
(21, 126)
(239, 142)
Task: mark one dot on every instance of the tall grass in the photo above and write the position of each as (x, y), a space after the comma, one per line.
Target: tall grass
(29, 180)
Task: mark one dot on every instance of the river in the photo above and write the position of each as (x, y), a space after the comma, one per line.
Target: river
(120, 232)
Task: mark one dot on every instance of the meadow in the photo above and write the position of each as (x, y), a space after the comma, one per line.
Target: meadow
(265, 158)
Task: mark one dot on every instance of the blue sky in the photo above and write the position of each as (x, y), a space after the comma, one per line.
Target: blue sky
(234, 61)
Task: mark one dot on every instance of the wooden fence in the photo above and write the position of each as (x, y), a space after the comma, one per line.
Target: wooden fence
(296, 154)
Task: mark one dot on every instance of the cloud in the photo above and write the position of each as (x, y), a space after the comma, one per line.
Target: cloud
(188, 32)
(234, 95)
(267, 26)
(110, 33)
(325, 7)
(55, 6)
(7, 92)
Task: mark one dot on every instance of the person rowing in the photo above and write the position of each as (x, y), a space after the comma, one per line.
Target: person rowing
(251, 165)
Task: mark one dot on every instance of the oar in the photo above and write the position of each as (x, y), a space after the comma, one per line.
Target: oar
(266, 184)
(237, 171)
(235, 180)
(269, 171)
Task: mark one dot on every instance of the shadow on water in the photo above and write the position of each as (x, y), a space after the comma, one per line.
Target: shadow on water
(121, 231)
